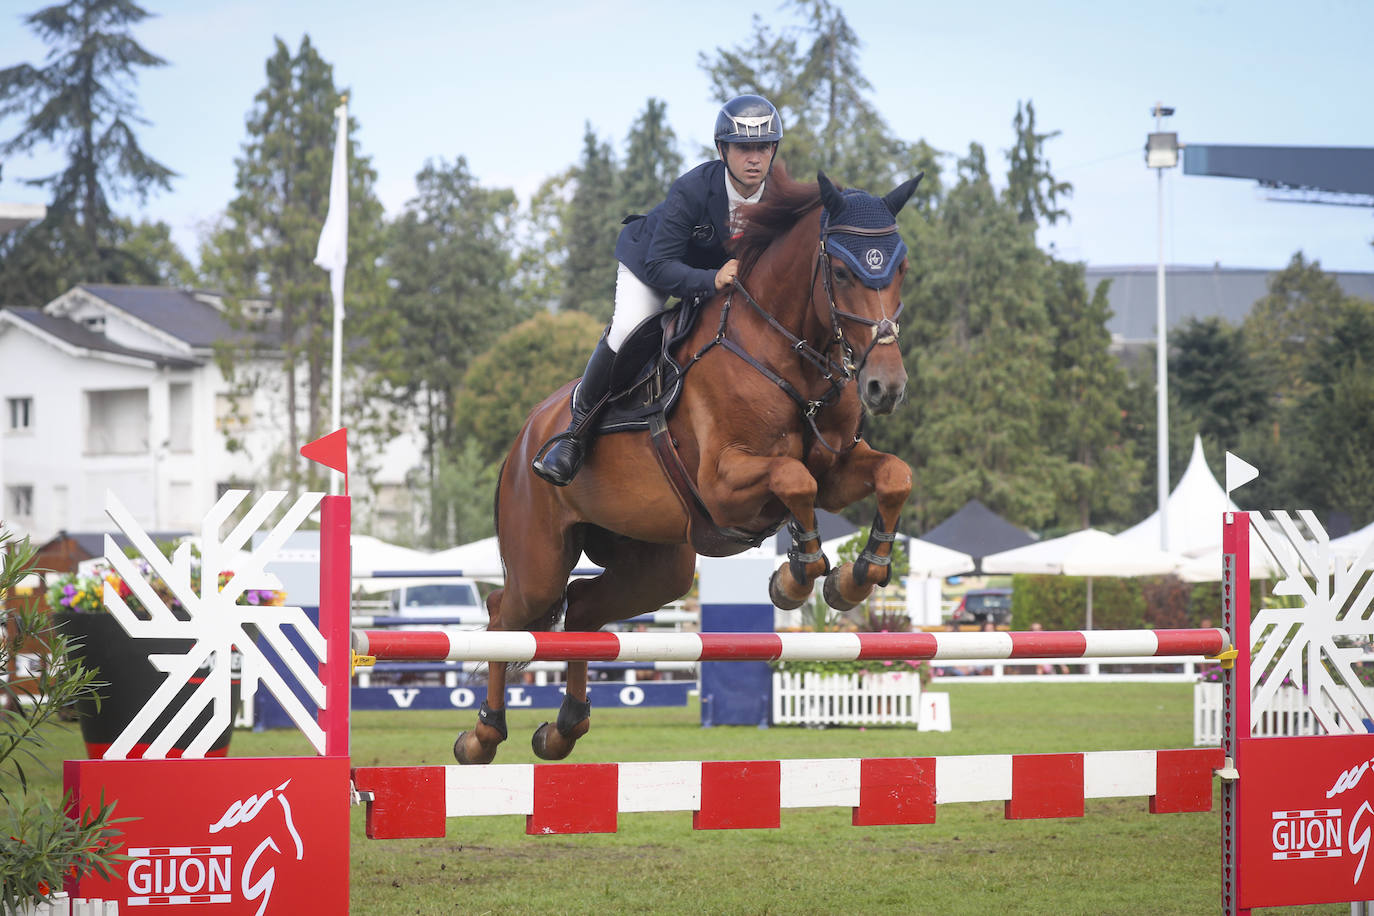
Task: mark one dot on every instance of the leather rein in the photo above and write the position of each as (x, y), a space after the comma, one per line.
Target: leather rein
(837, 373)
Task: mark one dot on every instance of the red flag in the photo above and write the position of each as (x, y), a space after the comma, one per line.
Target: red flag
(330, 451)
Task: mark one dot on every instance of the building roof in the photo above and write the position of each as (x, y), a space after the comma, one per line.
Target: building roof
(77, 335)
(177, 312)
(1193, 292)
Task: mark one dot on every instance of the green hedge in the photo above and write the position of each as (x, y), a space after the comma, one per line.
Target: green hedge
(1156, 602)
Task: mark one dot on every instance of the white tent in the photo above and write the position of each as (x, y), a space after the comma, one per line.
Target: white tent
(1194, 511)
(1350, 546)
(1084, 553)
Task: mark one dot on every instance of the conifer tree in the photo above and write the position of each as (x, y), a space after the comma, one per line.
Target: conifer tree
(80, 101)
(652, 160)
(265, 245)
(592, 227)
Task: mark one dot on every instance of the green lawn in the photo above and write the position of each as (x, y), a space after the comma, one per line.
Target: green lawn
(1117, 859)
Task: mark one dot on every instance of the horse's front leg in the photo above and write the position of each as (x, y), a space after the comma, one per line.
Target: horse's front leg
(865, 470)
(740, 484)
(479, 745)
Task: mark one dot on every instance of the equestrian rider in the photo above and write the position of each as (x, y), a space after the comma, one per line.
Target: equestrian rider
(677, 250)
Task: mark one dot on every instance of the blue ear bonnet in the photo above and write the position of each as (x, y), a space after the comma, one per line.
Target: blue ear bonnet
(872, 258)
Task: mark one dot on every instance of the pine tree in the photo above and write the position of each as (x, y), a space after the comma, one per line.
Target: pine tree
(652, 161)
(592, 227)
(1083, 420)
(1031, 188)
(81, 102)
(265, 245)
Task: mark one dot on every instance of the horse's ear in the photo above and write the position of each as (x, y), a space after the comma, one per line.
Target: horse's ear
(831, 198)
(897, 197)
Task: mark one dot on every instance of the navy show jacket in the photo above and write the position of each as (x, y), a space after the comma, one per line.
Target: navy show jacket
(678, 247)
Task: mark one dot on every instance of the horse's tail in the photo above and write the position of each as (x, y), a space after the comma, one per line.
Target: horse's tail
(496, 510)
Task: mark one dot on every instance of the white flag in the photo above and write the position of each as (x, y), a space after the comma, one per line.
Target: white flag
(332, 253)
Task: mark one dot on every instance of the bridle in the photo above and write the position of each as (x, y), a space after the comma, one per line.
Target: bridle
(838, 374)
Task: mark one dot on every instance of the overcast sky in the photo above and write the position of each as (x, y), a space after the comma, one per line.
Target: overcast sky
(510, 86)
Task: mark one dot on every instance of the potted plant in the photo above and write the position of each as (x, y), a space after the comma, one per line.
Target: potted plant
(123, 661)
(40, 847)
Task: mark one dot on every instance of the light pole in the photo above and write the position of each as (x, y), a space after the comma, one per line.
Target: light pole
(1161, 152)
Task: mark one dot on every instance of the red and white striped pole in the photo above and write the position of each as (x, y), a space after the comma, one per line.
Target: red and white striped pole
(521, 646)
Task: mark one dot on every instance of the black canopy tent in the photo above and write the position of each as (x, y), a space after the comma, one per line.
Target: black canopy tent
(977, 531)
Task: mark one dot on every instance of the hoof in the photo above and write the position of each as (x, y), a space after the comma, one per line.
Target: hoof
(778, 593)
(834, 591)
(469, 750)
(550, 744)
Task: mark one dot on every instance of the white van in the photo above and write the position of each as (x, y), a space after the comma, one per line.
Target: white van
(452, 598)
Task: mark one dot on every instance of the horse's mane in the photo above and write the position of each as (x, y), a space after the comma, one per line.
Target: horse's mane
(784, 202)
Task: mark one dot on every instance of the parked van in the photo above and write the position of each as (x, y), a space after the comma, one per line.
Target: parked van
(452, 598)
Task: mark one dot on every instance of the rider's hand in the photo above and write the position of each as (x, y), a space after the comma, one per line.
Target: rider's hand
(726, 275)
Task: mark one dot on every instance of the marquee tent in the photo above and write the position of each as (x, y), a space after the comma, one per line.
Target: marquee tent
(1194, 511)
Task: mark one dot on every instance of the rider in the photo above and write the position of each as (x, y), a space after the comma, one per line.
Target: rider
(678, 249)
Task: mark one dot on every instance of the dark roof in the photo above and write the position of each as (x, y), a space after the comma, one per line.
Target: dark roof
(1194, 292)
(175, 311)
(79, 335)
(829, 524)
(1344, 169)
(977, 531)
(92, 543)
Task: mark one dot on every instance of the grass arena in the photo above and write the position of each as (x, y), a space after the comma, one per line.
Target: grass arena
(1043, 797)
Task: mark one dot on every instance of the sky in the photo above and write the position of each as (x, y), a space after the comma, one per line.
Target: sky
(511, 88)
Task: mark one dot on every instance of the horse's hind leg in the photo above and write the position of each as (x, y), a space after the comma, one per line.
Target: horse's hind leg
(639, 578)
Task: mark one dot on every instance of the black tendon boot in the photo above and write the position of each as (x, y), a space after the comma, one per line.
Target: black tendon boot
(561, 457)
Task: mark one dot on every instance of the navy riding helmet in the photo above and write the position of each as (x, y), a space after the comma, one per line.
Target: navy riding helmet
(748, 119)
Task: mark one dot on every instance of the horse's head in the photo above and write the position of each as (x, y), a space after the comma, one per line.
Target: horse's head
(863, 262)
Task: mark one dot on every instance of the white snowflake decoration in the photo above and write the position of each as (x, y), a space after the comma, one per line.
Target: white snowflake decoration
(1329, 613)
(217, 623)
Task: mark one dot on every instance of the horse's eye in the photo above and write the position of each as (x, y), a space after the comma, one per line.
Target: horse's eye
(842, 274)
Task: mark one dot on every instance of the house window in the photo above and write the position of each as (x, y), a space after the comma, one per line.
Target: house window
(20, 413)
(179, 417)
(19, 501)
(117, 422)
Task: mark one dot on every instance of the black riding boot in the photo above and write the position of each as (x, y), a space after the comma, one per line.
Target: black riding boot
(561, 457)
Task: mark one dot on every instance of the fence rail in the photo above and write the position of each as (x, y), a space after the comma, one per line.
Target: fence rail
(809, 698)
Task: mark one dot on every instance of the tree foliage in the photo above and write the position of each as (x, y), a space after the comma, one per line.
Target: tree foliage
(451, 296)
(81, 102)
(524, 366)
(265, 246)
(1031, 188)
(592, 227)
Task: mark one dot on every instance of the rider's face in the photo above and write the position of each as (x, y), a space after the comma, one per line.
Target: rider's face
(748, 165)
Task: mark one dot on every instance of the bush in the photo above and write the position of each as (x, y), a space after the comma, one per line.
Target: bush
(39, 845)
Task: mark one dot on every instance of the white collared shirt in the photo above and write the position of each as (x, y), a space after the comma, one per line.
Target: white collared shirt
(736, 198)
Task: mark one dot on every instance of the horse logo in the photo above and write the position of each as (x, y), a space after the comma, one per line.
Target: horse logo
(874, 258)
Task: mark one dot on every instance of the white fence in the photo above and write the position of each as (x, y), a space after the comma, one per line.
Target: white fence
(61, 905)
(1068, 670)
(1289, 715)
(808, 698)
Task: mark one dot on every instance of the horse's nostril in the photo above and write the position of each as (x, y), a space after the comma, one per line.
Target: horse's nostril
(875, 389)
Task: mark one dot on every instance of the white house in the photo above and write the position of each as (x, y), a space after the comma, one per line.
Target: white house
(116, 388)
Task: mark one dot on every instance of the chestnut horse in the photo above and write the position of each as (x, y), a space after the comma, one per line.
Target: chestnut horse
(783, 366)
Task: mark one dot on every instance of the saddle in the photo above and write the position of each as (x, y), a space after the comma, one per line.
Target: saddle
(646, 382)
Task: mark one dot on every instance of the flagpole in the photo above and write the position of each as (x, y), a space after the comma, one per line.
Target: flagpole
(332, 255)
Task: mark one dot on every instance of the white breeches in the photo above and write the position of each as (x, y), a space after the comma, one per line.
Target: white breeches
(635, 300)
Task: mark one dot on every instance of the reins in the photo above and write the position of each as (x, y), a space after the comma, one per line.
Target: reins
(837, 374)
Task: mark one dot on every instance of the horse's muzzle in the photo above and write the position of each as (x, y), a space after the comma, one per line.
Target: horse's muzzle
(882, 392)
